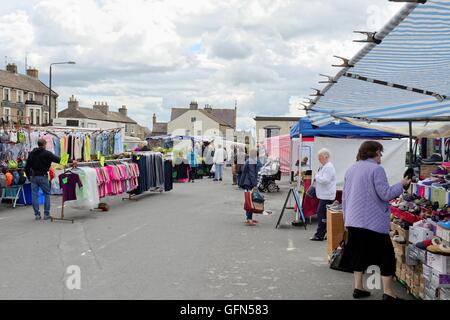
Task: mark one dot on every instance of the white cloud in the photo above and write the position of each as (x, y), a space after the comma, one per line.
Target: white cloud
(153, 55)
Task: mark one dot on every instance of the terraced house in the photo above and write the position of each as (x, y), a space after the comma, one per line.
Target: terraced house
(24, 98)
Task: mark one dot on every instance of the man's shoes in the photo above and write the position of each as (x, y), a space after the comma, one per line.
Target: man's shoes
(36, 217)
(389, 297)
(215, 180)
(220, 179)
(47, 217)
(316, 239)
(358, 294)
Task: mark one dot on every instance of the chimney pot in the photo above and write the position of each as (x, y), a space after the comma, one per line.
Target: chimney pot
(33, 73)
(11, 67)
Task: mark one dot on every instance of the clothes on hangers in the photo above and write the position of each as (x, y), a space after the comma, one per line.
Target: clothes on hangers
(68, 182)
(151, 168)
(87, 196)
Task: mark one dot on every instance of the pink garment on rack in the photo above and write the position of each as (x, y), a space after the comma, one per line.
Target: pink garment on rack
(48, 138)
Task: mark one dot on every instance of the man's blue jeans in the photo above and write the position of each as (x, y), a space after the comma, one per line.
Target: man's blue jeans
(43, 183)
(219, 171)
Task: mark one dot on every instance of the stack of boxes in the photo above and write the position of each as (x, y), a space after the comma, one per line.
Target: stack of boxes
(425, 274)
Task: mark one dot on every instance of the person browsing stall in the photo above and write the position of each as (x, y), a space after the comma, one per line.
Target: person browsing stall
(325, 183)
(365, 202)
(36, 169)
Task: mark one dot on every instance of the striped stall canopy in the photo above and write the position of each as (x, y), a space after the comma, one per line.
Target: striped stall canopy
(405, 77)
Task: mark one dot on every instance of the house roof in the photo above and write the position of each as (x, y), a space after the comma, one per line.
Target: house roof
(23, 82)
(258, 118)
(225, 117)
(90, 113)
(159, 127)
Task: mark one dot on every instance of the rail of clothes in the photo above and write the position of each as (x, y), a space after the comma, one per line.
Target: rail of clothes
(16, 144)
(84, 186)
(155, 172)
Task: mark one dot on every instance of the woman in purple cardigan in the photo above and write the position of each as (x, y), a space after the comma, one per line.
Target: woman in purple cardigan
(365, 202)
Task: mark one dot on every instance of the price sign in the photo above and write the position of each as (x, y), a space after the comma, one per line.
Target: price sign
(64, 159)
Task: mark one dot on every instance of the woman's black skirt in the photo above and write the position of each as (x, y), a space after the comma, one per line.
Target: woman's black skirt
(367, 248)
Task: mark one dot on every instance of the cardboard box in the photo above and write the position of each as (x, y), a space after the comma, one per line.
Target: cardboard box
(439, 262)
(335, 230)
(439, 280)
(418, 234)
(427, 272)
(442, 233)
(411, 258)
(427, 169)
(444, 294)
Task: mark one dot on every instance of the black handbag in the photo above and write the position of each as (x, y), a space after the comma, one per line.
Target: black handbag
(336, 259)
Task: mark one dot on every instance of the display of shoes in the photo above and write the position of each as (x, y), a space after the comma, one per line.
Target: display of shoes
(424, 244)
(335, 206)
(433, 159)
(439, 172)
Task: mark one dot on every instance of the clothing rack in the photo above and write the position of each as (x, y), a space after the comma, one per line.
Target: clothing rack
(61, 218)
(156, 190)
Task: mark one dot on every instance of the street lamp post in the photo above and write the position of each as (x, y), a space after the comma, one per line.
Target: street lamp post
(50, 86)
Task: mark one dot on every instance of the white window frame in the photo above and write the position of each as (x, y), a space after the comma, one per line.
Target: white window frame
(6, 113)
(9, 94)
(46, 100)
(33, 96)
(19, 96)
(33, 120)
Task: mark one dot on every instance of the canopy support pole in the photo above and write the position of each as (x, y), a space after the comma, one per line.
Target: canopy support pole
(410, 144)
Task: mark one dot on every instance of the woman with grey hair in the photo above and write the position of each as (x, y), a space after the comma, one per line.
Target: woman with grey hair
(325, 183)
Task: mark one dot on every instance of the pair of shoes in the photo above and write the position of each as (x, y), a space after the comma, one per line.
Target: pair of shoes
(36, 217)
(250, 223)
(220, 179)
(315, 238)
(255, 221)
(47, 217)
(389, 297)
(358, 294)
(215, 180)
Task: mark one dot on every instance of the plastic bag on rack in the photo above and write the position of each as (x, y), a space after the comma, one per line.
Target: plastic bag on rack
(87, 196)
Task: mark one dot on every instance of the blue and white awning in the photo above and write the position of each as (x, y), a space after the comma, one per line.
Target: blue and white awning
(406, 76)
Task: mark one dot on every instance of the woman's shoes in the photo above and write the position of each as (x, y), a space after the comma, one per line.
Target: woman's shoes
(250, 223)
(358, 294)
(389, 297)
(316, 239)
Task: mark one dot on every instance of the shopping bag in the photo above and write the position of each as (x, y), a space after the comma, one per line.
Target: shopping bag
(311, 191)
(213, 168)
(250, 206)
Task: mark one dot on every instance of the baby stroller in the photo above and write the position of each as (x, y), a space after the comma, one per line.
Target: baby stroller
(267, 176)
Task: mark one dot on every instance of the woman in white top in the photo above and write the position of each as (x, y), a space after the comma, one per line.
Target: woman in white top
(325, 183)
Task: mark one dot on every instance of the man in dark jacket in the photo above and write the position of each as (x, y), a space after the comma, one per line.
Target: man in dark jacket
(38, 164)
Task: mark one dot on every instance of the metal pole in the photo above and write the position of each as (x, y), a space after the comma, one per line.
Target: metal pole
(50, 96)
(410, 145)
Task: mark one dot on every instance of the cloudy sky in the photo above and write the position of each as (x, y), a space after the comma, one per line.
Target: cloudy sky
(154, 55)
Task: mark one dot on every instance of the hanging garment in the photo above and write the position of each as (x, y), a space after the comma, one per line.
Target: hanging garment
(48, 138)
(68, 182)
(118, 146)
(57, 146)
(34, 137)
(87, 148)
(168, 175)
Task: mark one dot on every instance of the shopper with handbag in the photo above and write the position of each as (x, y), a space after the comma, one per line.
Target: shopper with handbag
(365, 203)
(249, 180)
(325, 190)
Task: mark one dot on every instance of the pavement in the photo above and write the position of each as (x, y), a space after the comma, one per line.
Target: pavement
(190, 243)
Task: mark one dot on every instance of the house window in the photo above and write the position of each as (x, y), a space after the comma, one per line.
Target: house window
(30, 96)
(19, 96)
(199, 132)
(272, 132)
(72, 123)
(126, 128)
(46, 100)
(46, 117)
(193, 119)
(34, 115)
(6, 114)
(6, 94)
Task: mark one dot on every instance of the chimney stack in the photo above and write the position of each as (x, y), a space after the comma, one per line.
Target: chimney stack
(73, 103)
(154, 119)
(102, 107)
(11, 67)
(123, 111)
(193, 105)
(33, 72)
(208, 107)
